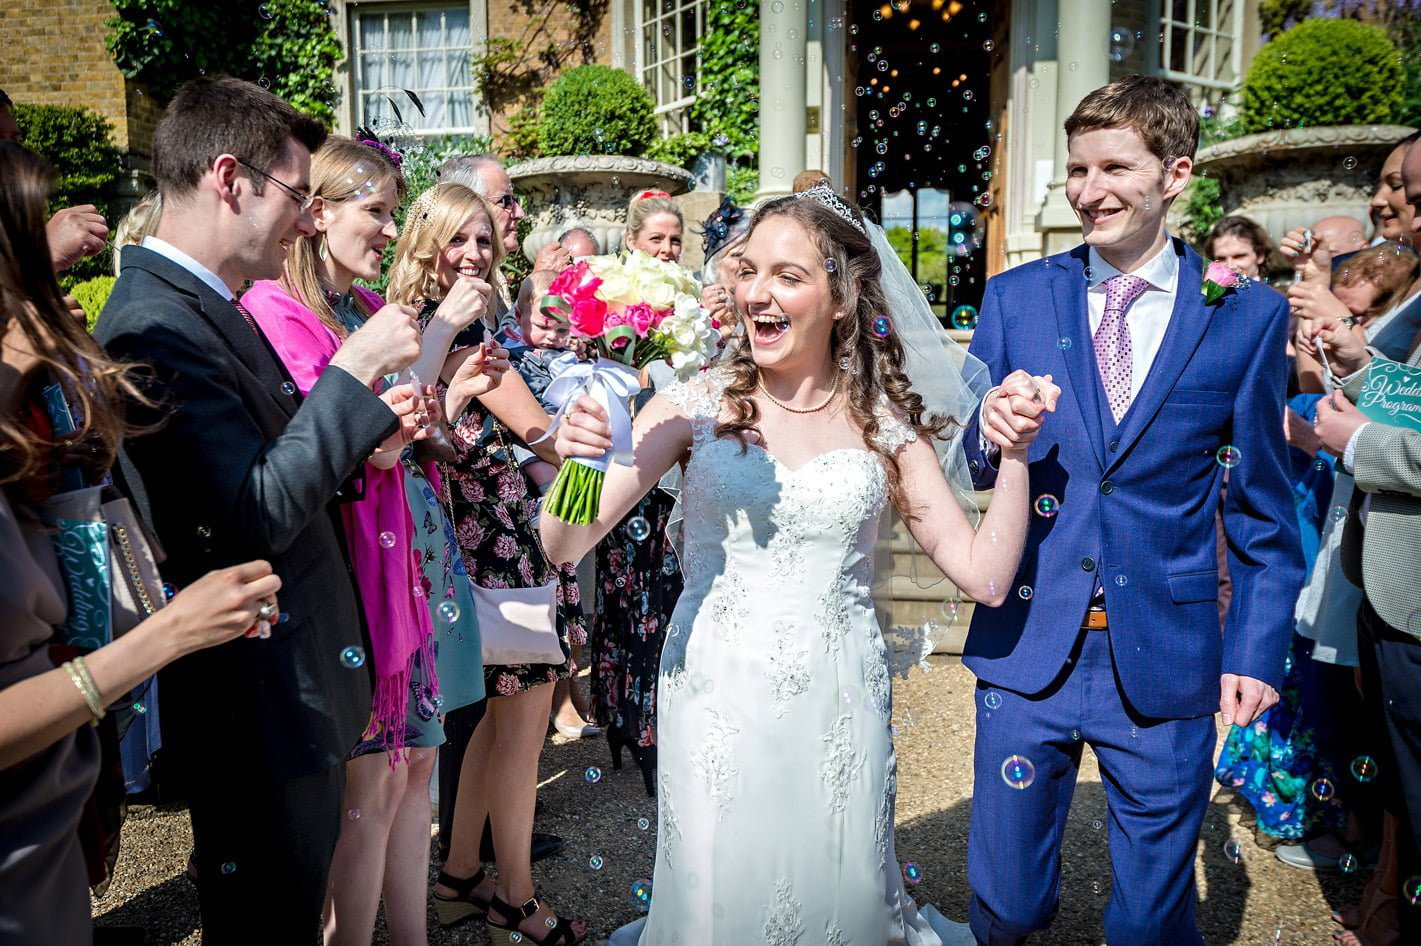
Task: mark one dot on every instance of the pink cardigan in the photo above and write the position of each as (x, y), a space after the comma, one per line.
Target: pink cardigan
(390, 579)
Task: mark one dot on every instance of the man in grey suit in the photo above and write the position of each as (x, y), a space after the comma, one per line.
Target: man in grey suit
(238, 466)
(1381, 552)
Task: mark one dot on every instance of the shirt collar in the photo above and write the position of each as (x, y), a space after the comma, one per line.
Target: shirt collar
(1161, 271)
(166, 250)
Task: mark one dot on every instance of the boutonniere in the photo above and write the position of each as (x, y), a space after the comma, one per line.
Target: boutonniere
(1219, 281)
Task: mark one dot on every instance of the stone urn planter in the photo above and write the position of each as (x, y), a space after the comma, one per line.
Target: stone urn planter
(1296, 176)
(588, 191)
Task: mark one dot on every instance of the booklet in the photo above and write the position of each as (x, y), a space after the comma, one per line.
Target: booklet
(1392, 394)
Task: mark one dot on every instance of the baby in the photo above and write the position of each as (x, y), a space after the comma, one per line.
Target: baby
(540, 339)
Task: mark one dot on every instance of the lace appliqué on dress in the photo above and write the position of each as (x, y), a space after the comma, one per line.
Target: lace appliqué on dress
(789, 668)
(893, 429)
(699, 398)
(841, 762)
(833, 936)
(833, 618)
(712, 761)
(883, 823)
(875, 680)
(727, 605)
(669, 831)
(784, 927)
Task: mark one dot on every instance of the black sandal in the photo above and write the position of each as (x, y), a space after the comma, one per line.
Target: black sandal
(560, 933)
(463, 906)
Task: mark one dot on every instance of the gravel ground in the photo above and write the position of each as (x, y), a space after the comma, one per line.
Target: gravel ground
(1240, 903)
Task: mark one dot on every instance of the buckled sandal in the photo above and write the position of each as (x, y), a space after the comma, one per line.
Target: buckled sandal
(561, 932)
(464, 905)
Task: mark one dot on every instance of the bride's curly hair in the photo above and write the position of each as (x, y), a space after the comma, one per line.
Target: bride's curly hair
(875, 361)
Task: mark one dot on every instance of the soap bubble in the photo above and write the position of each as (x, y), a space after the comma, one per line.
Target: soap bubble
(1122, 43)
(966, 228)
(352, 657)
(638, 529)
(1063, 343)
(1228, 456)
(1349, 162)
(169, 590)
(988, 45)
(353, 814)
(593, 774)
(831, 265)
(288, 388)
(140, 707)
(229, 867)
(1046, 506)
(595, 862)
(265, 11)
(1323, 790)
(964, 317)
(1018, 772)
(1339, 513)
(641, 895)
(1364, 768)
(1411, 890)
(448, 611)
(1233, 851)
(643, 823)
(912, 873)
(1024, 592)
(982, 153)
(1121, 580)
(1348, 863)
(1097, 824)
(948, 609)
(882, 326)
(387, 540)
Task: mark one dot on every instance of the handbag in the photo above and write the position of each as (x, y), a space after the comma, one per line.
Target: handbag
(518, 625)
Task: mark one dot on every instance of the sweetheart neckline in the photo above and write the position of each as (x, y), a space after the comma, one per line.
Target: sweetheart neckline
(795, 470)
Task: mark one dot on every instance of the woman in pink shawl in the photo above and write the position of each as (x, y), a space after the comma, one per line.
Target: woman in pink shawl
(384, 841)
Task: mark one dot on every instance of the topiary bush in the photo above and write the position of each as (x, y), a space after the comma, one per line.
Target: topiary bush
(596, 110)
(92, 294)
(1323, 72)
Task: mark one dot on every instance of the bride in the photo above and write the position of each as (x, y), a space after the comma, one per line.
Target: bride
(777, 777)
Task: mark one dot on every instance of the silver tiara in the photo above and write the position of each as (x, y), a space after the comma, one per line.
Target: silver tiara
(823, 194)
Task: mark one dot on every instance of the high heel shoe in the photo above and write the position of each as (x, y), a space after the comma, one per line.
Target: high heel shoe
(643, 756)
(464, 905)
(563, 932)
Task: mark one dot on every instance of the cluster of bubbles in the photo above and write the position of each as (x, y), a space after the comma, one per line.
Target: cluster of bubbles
(641, 894)
(352, 657)
(1018, 772)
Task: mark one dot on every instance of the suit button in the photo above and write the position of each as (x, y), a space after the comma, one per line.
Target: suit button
(1114, 445)
(1088, 564)
(1107, 487)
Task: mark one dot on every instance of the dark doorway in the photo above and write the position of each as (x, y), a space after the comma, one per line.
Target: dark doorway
(923, 148)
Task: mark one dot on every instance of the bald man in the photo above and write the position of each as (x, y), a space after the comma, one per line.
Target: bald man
(1342, 234)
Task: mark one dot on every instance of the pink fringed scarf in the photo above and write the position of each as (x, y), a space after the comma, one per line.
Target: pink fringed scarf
(379, 529)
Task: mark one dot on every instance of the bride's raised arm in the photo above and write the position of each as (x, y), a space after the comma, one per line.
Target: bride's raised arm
(982, 563)
(661, 436)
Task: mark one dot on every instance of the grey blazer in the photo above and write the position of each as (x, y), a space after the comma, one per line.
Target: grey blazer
(241, 467)
(1384, 556)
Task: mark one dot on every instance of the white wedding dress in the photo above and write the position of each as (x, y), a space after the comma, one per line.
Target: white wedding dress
(776, 778)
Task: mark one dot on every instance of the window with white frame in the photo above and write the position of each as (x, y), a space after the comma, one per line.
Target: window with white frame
(1199, 45)
(668, 56)
(425, 49)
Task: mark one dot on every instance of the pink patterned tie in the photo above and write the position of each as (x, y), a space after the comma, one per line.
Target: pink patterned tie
(1112, 340)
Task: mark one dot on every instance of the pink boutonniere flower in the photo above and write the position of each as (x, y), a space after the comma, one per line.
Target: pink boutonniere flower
(1219, 280)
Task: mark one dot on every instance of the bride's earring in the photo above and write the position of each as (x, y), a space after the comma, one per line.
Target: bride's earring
(323, 251)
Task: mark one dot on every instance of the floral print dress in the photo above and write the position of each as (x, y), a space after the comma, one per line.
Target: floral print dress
(493, 509)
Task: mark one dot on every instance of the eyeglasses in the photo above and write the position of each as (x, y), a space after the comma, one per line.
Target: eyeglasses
(508, 202)
(302, 200)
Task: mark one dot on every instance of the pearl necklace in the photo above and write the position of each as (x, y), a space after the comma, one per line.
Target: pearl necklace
(799, 410)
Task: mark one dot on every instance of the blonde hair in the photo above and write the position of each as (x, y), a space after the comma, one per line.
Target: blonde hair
(1390, 268)
(433, 219)
(343, 169)
(536, 285)
(642, 208)
(139, 222)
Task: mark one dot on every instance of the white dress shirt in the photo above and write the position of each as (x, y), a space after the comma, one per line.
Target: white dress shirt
(175, 255)
(1148, 317)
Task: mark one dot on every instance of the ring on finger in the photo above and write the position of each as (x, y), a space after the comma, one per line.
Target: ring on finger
(267, 611)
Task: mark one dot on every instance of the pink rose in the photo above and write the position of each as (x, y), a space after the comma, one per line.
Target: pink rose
(1221, 275)
(660, 317)
(589, 318)
(575, 283)
(640, 317)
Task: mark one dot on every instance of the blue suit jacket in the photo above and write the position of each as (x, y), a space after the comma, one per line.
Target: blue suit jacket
(1137, 499)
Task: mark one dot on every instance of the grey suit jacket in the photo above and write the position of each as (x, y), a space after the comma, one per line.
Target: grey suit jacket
(1384, 556)
(241, 467)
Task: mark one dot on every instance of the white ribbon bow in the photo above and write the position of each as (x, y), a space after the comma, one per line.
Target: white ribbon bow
(611, 384)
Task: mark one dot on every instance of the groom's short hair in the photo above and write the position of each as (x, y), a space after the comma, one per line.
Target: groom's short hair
(1156, 110)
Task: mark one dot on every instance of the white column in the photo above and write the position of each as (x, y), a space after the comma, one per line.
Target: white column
(783, 24)
(1083, 65)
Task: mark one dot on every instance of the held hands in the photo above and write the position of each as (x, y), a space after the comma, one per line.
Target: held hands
(1015, 411)
(74, 233)
(585, 430)
(466, 303)
(1243, 699)
(1337, 420)
(222, 605)
(389, 342)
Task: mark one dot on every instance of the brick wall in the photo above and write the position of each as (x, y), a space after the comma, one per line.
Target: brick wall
(580, 31)
(54, 55)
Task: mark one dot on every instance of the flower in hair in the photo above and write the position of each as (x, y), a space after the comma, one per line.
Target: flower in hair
(728, 222)
(647, 195)
(367, 137)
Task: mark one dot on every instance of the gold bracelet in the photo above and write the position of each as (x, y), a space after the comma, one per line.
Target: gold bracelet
(79, 675)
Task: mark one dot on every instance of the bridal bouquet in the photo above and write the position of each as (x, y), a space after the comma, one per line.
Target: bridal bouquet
(634, 310)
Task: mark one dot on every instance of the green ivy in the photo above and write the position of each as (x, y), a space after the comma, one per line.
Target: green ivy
(727, 106)
(92, 294)
(78, 144)
(1201, 208)
(1323, 72)
(596, 110)
(288, 46)
(741, 183)
(681, 150)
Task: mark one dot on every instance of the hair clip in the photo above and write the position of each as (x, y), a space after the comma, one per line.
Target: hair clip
(367, 137)
(647, 195)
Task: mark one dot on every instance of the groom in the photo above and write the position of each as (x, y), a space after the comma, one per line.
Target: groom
(1110, 636)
